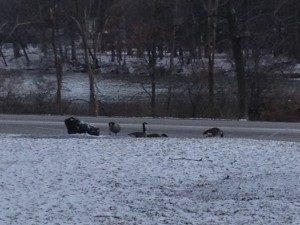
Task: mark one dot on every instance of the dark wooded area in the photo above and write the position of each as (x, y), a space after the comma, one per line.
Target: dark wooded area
(261, 39)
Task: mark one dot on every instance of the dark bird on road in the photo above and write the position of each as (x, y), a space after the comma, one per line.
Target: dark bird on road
(213, 132)
(114, 128)
(77, 126)
(154, 135)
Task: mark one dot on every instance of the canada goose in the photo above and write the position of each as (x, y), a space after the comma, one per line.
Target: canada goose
(156, 135)
(114, 127)
(139, 134)
(212, 132)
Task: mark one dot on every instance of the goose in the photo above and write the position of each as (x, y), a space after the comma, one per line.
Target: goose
(154, 135)
(139, 134)
(212, 132)
(114, 127)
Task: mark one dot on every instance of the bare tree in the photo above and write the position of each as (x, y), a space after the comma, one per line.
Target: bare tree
(237, 51)
(175, 26)
(57, 61)
(211, 7)
(82, 25)
(148, 26)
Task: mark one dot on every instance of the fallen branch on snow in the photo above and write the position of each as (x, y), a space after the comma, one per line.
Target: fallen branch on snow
(198, 160)
(106, 216)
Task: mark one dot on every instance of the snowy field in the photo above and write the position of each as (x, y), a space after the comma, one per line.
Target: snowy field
(88, 180)
(74, 86)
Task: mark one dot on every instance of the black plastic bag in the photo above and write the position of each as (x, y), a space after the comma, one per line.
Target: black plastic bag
(76, 126)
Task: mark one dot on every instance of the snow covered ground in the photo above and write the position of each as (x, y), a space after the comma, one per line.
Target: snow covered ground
(80, 179)
(40, 76)
(75, 86)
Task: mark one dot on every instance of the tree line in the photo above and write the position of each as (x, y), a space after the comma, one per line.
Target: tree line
(246, 31)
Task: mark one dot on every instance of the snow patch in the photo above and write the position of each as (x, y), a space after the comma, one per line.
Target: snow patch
(118, 180)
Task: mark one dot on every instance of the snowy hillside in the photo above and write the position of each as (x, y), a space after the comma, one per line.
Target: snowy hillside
(119, 180)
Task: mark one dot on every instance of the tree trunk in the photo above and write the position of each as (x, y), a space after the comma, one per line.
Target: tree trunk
(3, 57)
(211, 7)
(153, 94)
(95, 66)
(170, 71)
(73, 49)
(93, 105)
(211, 81)
(58, 69)
(16, 48)
(238, 60)
(211, 62)
(93, 102)
(66, 53)
(24, 51)
(26, 55)
(113, 53)
(152, 62)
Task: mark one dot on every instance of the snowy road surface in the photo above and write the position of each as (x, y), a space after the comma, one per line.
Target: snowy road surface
(191, 128)
(80, 179)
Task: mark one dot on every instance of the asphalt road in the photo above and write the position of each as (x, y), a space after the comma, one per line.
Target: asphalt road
(45, 125)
